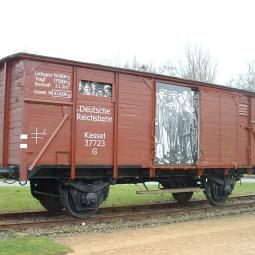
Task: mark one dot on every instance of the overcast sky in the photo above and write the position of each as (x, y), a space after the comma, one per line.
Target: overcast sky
(153, 31)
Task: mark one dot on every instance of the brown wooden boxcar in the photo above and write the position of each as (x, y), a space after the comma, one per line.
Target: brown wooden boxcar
(74, 128)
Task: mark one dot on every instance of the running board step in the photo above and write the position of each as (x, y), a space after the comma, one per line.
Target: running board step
(181, 190)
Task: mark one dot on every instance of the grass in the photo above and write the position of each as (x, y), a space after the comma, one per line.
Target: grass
(125, 194)
(20, 199)
(31, 245)
(17, 199)
(244, 188)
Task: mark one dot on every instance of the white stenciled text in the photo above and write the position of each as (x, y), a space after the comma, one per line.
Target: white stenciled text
(94, 113)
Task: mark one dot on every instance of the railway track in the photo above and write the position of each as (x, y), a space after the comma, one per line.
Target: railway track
(44, 219)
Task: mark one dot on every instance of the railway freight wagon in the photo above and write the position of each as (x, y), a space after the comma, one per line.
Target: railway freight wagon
(73, 129)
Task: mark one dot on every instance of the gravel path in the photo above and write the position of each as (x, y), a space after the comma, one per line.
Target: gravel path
(229, 235)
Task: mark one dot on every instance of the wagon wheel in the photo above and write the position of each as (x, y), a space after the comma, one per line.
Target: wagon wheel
(214, 193)
(183, 197)
(74, 208)
(51, 204)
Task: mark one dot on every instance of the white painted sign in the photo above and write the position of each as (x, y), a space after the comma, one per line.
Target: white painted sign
(23, 146)
(23, 136)
(53, 84)
(94, 113)
(94, 141)
(37, 135)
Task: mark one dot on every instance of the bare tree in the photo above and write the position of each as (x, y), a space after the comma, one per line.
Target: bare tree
(247, 80)
(144, 67)
(168, 68)
(197, 65)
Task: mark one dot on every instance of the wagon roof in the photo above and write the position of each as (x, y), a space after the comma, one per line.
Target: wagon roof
(121, 70)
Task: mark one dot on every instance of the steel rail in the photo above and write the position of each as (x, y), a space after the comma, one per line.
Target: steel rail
(125, 208)
(121, 217)
(141, 212)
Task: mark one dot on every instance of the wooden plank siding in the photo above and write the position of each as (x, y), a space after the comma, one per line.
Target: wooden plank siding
(226, 118)
(1, 110)
(16, 102)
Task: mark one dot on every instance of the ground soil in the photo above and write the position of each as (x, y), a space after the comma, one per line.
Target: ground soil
(228, 235)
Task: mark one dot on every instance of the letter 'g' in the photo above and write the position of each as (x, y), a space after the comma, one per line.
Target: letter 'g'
(94, 151)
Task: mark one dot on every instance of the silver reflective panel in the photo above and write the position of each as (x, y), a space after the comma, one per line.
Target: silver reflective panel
(177, 125)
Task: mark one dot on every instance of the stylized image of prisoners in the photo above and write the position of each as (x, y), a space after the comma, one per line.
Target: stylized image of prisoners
(90, 88)
(176, 125)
